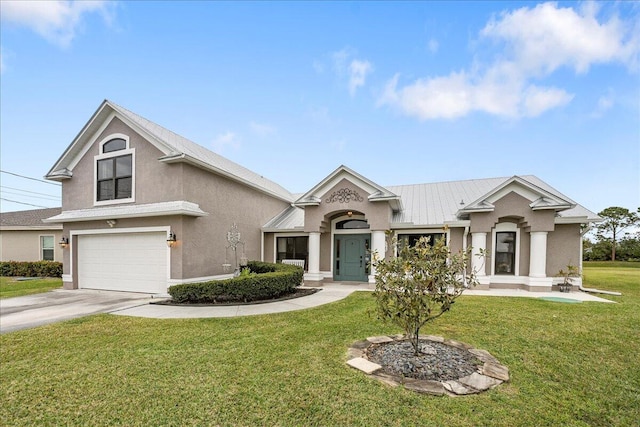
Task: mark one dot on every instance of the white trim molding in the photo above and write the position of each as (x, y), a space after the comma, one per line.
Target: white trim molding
(179, 207)
(104, 156)
(505, 227)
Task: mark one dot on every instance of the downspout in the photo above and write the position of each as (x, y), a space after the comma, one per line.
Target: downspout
(262, 246)
(582, 288)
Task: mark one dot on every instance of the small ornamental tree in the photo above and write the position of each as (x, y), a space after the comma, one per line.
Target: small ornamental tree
(420, 285)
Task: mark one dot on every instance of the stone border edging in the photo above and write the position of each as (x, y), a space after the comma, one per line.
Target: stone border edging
(491, 374)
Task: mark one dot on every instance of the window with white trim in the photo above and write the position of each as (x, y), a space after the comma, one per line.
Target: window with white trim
(114, 171)
(505, 249)
(505, 252)
(296, 247)
(47, 246)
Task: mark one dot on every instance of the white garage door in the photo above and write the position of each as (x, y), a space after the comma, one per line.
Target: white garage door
(133, 262)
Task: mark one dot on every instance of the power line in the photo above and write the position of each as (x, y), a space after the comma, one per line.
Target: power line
(25, 191)
(22, 203)
(52, 198)
(28, 177)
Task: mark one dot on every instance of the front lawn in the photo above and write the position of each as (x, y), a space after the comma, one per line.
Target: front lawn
(11, 287)
(571, 364)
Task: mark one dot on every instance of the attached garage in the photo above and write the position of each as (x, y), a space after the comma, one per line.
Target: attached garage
(131, 262)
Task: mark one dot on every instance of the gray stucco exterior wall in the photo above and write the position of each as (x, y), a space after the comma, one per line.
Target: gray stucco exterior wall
(201, 247)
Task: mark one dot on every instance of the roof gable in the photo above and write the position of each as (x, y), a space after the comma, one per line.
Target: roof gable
(377, 193)
(540, 198)
(174, 147)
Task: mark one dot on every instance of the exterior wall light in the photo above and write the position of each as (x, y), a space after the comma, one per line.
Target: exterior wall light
(64, 242)
(171, 240)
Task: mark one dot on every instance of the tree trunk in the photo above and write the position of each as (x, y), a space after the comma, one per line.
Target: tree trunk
(613, 247)
(415, 341)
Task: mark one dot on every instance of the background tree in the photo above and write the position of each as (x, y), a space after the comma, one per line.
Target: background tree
(420, 285)
(616, 220)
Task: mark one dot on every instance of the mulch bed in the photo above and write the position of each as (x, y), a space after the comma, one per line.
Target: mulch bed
(436, 361)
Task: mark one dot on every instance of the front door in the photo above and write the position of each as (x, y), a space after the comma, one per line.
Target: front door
(351, 257)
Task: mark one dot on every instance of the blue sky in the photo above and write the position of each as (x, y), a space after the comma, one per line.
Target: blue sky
(401, 92)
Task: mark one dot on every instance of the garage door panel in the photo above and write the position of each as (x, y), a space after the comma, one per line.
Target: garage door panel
(134, 262)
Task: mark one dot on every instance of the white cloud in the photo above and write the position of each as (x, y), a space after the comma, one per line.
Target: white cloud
(358, 71)
(548, 37)
(226, 139)
(261, 129)
(537, 42)
(537, 100)
(456, 95)
(605, 103)
(340, 59)
(55, 20)
(437, 98)
(433, 45)
(346, 66)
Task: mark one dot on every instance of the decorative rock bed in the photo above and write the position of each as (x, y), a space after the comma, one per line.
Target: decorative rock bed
(444, 366)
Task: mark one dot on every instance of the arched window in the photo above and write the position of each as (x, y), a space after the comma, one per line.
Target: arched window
(114, 145)
(352, 224)
(114, 171)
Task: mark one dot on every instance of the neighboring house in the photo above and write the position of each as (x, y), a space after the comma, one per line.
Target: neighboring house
(25, 237)
(129, 186)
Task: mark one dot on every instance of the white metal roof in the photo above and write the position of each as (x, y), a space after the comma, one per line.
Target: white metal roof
(435, 204)
(174, 146)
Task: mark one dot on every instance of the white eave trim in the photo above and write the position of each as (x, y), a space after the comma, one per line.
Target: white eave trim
(310, 201)
(129, 211)
(575, 220)
(185, 158)
(554, 207)
(412, 226)
(59, 175)
(282, 230)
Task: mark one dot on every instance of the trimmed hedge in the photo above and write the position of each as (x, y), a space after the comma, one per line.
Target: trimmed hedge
(269, 281)
(31, 269)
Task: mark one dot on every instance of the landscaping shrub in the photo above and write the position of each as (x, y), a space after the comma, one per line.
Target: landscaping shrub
(31, 269)
(266, 281)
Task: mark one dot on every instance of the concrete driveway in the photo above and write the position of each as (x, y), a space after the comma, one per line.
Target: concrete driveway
(55, 306)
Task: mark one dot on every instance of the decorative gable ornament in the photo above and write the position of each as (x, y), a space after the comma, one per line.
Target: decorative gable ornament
(344, 195)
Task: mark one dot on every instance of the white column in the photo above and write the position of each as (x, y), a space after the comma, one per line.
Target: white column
(538, 280)
(538, 254)
(313, 272)
(377, 247)
(479, 244)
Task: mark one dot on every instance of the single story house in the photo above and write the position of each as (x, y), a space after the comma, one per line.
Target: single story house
(25, 237)
(144, 208)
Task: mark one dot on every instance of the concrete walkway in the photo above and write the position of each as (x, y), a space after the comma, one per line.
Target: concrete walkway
(329, 293)
(49, 307)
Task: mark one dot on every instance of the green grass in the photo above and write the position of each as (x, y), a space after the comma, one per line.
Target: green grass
(571, 364)
(10, 287)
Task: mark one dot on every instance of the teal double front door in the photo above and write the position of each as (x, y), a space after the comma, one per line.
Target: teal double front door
(351, 257)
